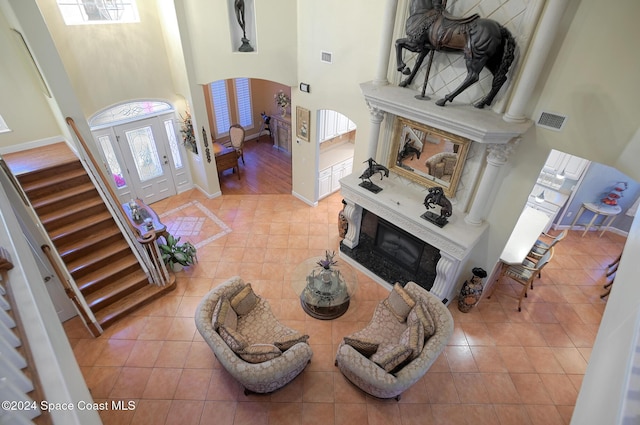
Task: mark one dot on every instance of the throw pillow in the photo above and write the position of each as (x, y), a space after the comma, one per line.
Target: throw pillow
(223, 314)
(413, 337)
(364, 347)
(244, 300)
(399, 302)
(391, 357)
(288, 341)
(258, 353)
(232, 338)
(421, 313)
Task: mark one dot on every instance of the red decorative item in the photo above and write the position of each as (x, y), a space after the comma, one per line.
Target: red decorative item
(614, 194)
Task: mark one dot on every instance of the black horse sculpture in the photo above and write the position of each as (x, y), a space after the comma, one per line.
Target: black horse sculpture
(485, 43)
(408, 151)
(373, 168)
(436, 197)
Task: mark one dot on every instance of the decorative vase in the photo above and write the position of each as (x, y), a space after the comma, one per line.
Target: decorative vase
(343, 223)
(471, 292)
(283, 110)
(326, 275)
(177, 267)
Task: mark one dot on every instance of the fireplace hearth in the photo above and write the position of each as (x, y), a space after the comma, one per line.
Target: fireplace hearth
(393, 254)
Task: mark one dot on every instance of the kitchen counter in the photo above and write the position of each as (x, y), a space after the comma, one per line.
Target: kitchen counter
(335, 155)
(550, 195)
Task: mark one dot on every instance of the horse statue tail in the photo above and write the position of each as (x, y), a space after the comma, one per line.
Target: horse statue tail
(508, 55)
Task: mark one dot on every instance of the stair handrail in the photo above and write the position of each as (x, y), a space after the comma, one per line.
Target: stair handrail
(93, 328)
(160, 277)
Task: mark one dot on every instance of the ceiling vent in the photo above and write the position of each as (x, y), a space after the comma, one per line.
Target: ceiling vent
(326, 57)
(551, 121)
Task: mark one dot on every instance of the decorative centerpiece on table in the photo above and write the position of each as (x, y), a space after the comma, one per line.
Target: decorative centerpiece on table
(188, 136)
(614, 194)
(283, 101)
(325, 295)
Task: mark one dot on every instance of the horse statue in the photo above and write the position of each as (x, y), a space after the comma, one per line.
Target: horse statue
(373, 168)
(436, 197)
(484, 42)
(408, 151)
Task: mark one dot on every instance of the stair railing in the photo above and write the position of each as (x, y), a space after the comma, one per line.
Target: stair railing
(147, 249)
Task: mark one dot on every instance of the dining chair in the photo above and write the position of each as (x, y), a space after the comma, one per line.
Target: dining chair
(525, 274)
(540, 247)
(236, 134)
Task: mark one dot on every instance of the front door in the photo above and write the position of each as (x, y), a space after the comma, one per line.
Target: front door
(144, 159)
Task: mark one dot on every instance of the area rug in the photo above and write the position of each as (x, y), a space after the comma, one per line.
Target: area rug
(195, 223)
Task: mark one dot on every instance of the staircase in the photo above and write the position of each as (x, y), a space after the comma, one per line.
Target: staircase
(87, 238)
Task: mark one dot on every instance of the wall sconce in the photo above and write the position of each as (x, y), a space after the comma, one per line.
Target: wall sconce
(540, 197)
(305, 87)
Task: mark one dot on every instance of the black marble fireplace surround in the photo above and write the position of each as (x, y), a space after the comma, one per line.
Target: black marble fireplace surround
(393, 254)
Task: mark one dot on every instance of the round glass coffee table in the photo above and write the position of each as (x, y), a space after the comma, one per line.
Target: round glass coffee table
(324, 292)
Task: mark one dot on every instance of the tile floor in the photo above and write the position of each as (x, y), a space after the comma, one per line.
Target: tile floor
(500, 367)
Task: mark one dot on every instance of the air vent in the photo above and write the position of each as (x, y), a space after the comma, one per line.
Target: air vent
(551, 121)
(326, 57)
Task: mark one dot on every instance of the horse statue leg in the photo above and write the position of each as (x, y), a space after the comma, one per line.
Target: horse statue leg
(473, 75)
(405, 43)
(500, 68)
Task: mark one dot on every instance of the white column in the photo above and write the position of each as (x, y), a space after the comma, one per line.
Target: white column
(545, 35)
(376, 119)
(497, 157)
(386, 40)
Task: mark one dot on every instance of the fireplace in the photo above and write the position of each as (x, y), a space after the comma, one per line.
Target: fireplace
(393, 254)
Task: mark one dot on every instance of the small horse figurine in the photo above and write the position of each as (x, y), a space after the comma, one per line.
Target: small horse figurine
(436, 197)
(408, 151)
(485, 43)
(374, 168)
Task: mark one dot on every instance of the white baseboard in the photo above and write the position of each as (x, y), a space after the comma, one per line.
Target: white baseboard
(303, 199)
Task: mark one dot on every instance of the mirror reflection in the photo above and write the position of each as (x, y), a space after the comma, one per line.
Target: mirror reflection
(428, 155)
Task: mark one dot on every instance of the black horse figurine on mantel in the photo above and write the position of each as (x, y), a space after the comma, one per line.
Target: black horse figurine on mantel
(373, 168)
(436, 197)
(485, 43)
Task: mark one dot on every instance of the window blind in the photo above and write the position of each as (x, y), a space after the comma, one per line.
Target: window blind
(243, 96)
(220, 100)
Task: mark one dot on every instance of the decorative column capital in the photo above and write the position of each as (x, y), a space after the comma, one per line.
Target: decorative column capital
(499, 153)
(377, 115)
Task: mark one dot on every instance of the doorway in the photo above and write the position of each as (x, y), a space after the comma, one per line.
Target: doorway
(143, 158)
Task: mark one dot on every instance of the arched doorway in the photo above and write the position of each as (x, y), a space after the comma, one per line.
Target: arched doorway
(140, 149)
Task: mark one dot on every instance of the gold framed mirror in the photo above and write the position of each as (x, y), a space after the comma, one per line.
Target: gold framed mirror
(427, 155)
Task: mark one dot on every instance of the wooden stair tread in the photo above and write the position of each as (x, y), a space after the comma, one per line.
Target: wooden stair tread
(97, 256)
(55, 180)
(131, 302)
(88, 281)
(80, 224)
(97, 237)
(116, 290)
(75, 209)
(59, 196)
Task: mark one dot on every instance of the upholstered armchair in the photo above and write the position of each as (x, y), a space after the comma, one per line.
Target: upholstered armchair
(247, 339)
(442, 165)
(405, 336)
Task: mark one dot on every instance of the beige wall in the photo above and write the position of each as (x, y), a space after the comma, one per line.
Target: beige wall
(23, 104)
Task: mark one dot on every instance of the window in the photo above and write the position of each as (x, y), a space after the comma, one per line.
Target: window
(222, 105)
(243, 96)
(79, 12)
(220, 101)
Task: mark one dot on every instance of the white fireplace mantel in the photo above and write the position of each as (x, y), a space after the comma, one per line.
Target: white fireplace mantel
(403, 205)
(479, 125)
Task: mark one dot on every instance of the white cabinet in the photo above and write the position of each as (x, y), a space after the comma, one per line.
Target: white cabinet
(329, 178)
(338, 171)
(560, 162)
(324, 183)
(333, 124)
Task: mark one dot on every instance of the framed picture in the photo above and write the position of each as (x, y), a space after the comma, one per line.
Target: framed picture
(303, 117)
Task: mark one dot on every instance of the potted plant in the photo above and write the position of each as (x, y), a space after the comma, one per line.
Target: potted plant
(177, 255)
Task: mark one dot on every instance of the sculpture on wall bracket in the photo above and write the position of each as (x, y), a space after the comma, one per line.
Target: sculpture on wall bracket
(484, 42)
(238, 6)
(436, 197)
(373, 168)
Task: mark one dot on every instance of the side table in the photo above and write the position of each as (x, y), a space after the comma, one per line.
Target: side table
(608, 211)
